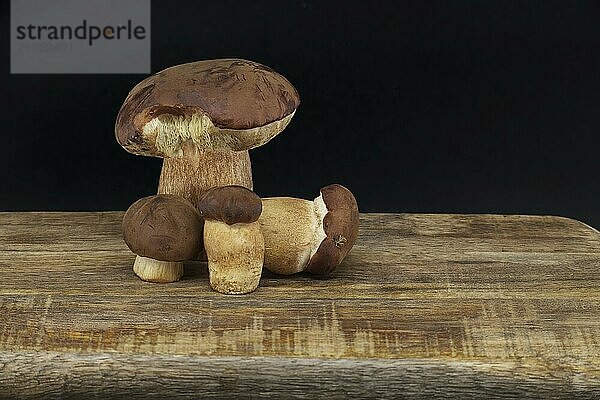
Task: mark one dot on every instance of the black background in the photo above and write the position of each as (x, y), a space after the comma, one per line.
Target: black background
(448, 106)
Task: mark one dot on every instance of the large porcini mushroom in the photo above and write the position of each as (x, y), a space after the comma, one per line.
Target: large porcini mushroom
(163, 231)
(314, 236)
(202, 117)
(232, 238)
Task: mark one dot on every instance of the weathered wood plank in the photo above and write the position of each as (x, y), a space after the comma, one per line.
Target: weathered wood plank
(77, 376)
(426, 305)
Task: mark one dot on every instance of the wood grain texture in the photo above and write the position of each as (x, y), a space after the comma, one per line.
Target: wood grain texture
(425, 306)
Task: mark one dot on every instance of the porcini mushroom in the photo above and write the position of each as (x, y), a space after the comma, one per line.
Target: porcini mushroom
(163, 231)
(202, 117)
(314, 236)
(232, 238)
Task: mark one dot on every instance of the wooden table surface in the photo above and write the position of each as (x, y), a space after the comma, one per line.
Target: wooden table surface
(425, 306)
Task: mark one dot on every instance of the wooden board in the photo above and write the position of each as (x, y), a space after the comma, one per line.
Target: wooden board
(425, 306)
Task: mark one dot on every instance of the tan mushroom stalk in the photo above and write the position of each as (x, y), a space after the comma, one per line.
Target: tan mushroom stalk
(232, 238)
(202, 118)
(314, 236)
(163, 231)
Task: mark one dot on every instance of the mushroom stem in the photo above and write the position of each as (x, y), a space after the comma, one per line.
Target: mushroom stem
(151, 270)
(290, 227)
(195, 171)
(235, 256)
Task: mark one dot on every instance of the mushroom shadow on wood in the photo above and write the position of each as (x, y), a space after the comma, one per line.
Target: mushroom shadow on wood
(195, 270)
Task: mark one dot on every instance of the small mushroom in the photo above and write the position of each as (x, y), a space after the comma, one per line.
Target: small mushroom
(232, 238)
(163, 231)
(314, 236)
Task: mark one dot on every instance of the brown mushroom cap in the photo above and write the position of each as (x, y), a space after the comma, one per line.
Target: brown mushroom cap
(238, 96)
(231, 205)
(163, 227)
(341, 228)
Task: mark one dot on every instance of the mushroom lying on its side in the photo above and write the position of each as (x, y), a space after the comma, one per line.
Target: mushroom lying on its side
(232, 238)
(314, 236)
(163, 230)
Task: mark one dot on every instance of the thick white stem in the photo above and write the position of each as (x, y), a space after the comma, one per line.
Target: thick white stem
(292, 229)
(151, 270)
(235, 256)
(195, 171)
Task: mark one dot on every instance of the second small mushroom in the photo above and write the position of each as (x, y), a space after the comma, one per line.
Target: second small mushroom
(313, 236)
(232, 238)
(163, 231)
